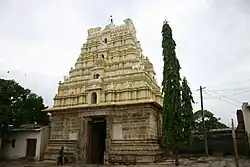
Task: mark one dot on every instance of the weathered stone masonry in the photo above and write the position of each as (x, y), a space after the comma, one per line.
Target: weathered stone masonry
(112, 79)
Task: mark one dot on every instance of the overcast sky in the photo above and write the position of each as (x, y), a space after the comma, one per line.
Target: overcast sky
(41, 40)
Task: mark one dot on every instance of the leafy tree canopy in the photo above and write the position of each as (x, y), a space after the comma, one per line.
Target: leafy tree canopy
(211, 121)
(19, 106)
(187, 110)
(172, 132)
(177, 102)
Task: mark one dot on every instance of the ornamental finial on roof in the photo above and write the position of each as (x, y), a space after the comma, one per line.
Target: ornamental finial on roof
(111, 19)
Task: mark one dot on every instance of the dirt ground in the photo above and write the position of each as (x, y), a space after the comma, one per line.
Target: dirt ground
(201, 162)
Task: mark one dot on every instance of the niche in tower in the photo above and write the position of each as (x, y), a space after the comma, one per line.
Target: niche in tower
(93, 98)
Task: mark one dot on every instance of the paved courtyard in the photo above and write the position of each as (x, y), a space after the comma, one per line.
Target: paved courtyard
(201, 162)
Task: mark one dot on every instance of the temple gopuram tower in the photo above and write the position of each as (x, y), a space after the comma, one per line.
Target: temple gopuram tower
(109, 106)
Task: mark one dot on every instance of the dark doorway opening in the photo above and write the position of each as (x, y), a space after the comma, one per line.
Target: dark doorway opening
(31, 148)
(97, 137)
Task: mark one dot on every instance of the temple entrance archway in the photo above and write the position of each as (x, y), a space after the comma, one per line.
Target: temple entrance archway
(97, 140)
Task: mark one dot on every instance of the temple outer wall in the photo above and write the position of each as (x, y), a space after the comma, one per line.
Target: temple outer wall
(126, 126)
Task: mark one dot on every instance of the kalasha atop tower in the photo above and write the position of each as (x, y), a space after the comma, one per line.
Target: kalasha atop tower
(109, 106)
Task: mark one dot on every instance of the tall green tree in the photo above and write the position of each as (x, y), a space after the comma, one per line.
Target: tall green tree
(171, 88)
(187, 110)
(19, 106)
(211, 121)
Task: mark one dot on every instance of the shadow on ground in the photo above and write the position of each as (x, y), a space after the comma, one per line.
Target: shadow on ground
(198, 162)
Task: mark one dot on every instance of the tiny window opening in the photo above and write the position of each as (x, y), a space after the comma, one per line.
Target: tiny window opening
(13, 143)
(105, 40)
(96, 76)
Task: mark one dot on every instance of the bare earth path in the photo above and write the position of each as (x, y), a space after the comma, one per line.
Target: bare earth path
(211, 162)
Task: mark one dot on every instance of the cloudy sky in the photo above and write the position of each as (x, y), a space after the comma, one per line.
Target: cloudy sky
(41, 40)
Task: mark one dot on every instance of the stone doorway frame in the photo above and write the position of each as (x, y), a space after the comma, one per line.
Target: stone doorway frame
(84, 139)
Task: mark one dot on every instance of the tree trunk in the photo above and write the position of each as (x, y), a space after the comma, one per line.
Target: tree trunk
(176, 158)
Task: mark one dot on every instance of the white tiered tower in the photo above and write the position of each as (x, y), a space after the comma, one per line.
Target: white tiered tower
(113, 79)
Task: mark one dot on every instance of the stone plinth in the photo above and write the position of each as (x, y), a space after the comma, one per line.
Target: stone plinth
(131, 129)
(54, 146)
